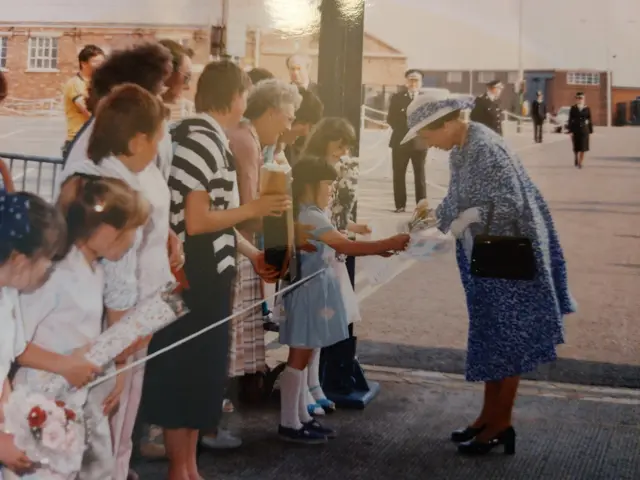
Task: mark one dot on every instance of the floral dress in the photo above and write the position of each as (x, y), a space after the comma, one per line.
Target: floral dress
(514, 326)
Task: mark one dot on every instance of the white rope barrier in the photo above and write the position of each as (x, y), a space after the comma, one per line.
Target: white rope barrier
(202, 331)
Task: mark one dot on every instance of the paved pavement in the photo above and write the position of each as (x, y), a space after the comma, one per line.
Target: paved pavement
(563, 434)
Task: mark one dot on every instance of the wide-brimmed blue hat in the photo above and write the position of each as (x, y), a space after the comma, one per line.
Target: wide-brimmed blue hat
(429, 107)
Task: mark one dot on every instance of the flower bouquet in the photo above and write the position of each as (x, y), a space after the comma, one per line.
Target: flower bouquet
(422, 218)
(51, 433)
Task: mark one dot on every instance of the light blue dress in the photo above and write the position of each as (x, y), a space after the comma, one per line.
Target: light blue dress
(315, 312)
(514, 326)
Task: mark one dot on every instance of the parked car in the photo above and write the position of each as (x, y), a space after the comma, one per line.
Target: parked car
(560, 120)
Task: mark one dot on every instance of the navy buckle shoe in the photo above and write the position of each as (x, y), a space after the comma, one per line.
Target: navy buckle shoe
(303, 436)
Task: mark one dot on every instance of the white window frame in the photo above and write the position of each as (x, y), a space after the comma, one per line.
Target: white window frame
(583, 78)
(4, 52)
(454, 77)
(45, 43)
(486, 77)
(513, 77)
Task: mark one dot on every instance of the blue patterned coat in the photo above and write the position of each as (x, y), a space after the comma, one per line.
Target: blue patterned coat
(514, 326)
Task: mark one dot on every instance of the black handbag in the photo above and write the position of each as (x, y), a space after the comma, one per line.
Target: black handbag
(501, 256)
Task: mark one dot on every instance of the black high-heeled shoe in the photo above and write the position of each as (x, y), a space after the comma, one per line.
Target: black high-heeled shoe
(466, 434)
(506, 438)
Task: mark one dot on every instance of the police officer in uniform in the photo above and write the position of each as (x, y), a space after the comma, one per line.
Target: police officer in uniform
(401, 155)
(487, 108)
(580, 128)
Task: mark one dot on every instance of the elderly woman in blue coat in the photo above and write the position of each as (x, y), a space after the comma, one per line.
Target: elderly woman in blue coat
(514, 325)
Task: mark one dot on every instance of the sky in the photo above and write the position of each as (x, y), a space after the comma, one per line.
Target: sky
(434, 34)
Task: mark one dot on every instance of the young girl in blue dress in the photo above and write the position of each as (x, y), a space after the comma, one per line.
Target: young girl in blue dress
(315, 311)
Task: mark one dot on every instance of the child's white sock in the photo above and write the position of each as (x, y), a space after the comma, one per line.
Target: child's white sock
(291, 384)
(318, 410)
(314, 376)
(303, 413)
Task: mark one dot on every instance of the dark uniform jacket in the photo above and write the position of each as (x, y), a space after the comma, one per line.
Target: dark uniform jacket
(538, 111)
(580, 121)
(488, 113)
(397, 117)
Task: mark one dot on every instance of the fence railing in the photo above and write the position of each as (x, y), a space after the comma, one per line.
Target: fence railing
(34, 173)
(32, 107)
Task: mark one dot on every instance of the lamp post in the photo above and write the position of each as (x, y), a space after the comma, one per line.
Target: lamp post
(520, 64)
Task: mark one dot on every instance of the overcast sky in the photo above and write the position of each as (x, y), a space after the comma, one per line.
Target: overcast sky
(434, 34)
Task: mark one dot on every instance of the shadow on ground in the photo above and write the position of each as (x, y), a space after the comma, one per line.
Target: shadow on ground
(403, 435)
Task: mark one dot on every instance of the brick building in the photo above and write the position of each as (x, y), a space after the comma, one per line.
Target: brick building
(558, 86)
(38, 59)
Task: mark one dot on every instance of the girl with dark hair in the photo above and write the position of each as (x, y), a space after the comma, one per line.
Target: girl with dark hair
(32, 235)
(65, 314)
(315, 313)
(330, 140)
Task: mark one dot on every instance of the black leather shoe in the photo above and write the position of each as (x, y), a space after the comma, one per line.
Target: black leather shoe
(466, 434)
(507, 439)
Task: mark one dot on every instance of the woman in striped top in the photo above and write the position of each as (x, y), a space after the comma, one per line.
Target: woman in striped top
(187, 383)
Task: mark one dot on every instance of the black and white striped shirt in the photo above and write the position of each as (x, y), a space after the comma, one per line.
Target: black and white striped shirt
(202, 161)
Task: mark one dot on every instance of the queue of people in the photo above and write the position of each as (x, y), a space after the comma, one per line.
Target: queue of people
(140, 204)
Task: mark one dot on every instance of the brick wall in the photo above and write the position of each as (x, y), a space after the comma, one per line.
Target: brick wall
(26, 84)
(560, 94)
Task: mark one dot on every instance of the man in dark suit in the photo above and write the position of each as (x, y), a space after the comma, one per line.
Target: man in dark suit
(538, 115)
(402, 154)
(298, 66)
(487, 108)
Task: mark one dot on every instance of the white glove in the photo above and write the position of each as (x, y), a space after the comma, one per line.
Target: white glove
(466, 218)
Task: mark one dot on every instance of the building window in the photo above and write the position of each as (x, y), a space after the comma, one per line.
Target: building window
(454, 77)
(43, 53)
(583, 78)
(4, 41)
(513, 77)
(486, 77)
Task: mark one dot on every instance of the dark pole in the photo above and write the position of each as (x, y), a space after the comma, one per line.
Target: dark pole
(340, 88)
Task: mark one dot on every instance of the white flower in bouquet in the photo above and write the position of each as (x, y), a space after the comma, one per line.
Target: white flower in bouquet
(49, 432)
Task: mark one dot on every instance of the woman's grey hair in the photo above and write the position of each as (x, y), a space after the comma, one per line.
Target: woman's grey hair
(271, 93)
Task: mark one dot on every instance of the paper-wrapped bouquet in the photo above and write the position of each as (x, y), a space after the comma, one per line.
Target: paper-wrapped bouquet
(45, 415)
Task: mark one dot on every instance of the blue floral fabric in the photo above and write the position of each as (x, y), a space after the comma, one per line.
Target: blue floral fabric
(514, 326)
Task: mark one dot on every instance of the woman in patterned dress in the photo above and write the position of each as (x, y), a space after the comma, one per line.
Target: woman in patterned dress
(514, 326)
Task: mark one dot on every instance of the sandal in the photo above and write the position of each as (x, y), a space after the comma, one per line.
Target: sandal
(327, 405)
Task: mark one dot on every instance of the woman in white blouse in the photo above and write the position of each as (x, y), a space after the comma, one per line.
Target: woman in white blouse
(145, 270)
(65, 314)
(32, 234)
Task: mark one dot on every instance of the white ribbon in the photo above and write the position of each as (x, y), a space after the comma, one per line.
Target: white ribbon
(200, 332)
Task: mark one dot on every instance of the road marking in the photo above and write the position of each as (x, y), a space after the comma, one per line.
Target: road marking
(14, 132)
(18, 176)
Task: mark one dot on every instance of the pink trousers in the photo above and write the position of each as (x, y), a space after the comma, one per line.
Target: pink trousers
(124, 419)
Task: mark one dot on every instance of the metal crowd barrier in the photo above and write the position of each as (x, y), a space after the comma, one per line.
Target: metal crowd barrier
(34, 173)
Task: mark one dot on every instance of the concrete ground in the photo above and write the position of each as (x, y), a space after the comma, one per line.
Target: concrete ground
(416, 322)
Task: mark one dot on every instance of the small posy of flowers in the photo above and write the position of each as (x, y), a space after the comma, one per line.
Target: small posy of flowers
(50, 432)
(422, 218)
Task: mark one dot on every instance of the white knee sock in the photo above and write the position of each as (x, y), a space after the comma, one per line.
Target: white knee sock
(303, 413)
(318, 410)
(291, 384)
(314, 376)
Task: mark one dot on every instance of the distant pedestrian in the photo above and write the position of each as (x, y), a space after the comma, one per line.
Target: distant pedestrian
(487, 109)
(299, 67)
(580, 128)
(538, 115)
(401, 155)
(75, 92)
